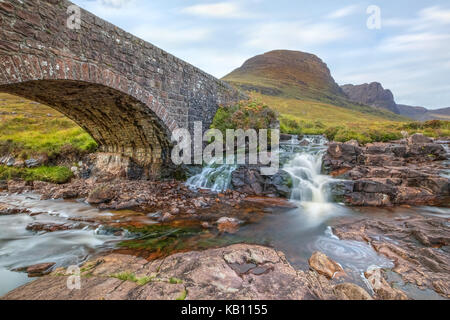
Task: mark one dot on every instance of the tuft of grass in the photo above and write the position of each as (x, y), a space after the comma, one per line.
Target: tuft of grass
(48, 174)
(182, 295)
(173, 280)
(125, 276)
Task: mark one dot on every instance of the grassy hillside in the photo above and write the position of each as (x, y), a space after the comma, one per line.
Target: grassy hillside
(299, 86)
(30, 129)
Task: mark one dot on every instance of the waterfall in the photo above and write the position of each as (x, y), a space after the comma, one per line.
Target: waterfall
(216, 177)
(309, 185)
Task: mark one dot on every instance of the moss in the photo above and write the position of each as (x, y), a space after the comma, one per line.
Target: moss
(48, 174)
(175, 280)
(144, 280)
(182, 295)
(125, 276)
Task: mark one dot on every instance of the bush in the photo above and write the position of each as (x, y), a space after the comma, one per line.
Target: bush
(245, 115)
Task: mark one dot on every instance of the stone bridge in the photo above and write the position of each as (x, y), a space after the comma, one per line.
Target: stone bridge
(126, 93)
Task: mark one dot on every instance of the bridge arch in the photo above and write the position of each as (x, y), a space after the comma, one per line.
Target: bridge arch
(128, 94)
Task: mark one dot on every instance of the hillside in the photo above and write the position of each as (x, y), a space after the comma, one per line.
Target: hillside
(290, 74)
(424, 114)
(301, 86)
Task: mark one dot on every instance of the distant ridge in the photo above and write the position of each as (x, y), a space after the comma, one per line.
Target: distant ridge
(373, 94)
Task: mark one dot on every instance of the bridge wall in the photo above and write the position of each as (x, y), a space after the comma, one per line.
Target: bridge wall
(127, 93)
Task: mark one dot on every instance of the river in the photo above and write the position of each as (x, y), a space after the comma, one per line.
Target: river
(297, 231)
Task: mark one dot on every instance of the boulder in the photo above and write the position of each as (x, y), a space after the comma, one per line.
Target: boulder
(40, 269)
(350, 291)
(418, 138)
(324, 265)
(101, 194)
(228, 225)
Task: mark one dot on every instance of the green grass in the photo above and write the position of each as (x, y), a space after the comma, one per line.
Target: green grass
(341, 124)
(30, 129)
(48, 174)
(182, 295)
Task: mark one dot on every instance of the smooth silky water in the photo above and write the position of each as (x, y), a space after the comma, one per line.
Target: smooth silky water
(297, 231)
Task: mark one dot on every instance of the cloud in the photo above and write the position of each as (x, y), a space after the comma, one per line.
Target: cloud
(292, 35)
(215, 10)
(427, 18)
(426, 41)
(114, 3)
(343, 12)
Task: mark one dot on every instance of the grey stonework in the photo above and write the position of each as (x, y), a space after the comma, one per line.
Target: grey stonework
(128, 94)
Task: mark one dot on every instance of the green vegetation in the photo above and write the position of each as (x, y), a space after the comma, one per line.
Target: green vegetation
(47, 174)
(29, 129)
(244, 115)
(182, 295)
(175, 280)
(337, 123)
(161, 239)
(128, 276)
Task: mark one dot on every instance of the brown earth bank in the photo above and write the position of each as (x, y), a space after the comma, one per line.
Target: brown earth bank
(408, 171)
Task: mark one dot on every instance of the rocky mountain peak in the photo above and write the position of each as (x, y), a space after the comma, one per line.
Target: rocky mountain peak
(372, 94)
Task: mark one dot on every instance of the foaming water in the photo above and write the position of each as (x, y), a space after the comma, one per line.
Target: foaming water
(216, 177)
(20, 247)
(309, 186)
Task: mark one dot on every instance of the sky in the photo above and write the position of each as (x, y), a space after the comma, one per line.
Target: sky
(408, 51)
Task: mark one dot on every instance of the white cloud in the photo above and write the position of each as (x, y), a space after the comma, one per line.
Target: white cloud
(425, 41)
(343, 12)
(215, 10)
(295, 35)
(114, 3)
(427, 18)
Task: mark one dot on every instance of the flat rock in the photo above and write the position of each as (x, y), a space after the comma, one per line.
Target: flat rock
(231, 273)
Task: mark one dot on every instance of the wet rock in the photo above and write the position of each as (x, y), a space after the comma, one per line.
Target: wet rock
(381, 288)
(324, 265)
(3, 185)
(166, 216)
(350, 291)
(8, 209)
(415, 243)
(32, 163)
(229, 225)
(248, 179)
(208, 274)
(40, 269)
(100, 194)
(49, 227)
(385, 174)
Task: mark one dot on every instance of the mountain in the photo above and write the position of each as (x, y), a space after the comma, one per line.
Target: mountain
(291, 74)
(424, 114)
(372, 94)
(300, 85)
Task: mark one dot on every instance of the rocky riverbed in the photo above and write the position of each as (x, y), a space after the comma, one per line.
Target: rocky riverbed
(410, 171)
(166, 240)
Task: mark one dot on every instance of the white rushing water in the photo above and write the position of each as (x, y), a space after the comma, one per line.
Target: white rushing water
(309, 186)
(216, 177)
